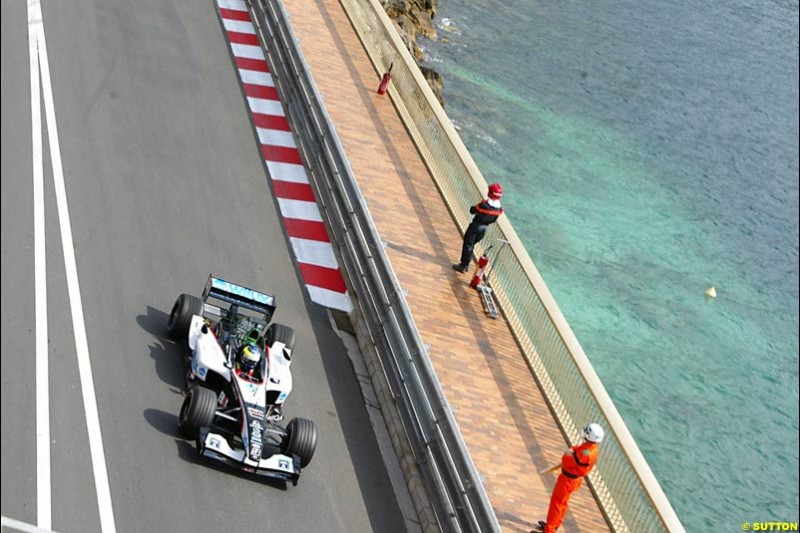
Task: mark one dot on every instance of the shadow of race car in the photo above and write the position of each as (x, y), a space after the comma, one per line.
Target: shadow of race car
(239, 377)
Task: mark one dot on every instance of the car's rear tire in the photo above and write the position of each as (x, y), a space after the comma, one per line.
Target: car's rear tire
(180, 318)
(197, 410)
(300, 440)
(281, 333)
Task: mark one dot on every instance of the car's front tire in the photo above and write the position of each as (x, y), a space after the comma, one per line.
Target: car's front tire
(197, 411)
(180, 318)
(300, 440)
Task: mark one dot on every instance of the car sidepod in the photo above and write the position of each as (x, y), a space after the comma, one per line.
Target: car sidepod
(207, 355)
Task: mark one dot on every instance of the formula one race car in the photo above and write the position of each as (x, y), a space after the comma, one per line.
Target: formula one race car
(238, 381)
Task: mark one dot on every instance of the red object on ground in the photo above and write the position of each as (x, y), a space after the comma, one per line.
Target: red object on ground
(478, 277)
(387, 77)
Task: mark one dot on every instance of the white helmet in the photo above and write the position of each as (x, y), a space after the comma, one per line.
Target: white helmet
(593, 433)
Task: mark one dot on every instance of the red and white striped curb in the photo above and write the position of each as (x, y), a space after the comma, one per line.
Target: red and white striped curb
(301, 216)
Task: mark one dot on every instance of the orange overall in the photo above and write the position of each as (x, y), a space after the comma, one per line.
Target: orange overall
(574, 466)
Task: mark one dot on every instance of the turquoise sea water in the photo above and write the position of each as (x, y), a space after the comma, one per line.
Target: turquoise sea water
(649, 150)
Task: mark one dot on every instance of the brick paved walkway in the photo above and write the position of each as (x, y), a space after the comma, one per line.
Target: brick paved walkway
(505, 421)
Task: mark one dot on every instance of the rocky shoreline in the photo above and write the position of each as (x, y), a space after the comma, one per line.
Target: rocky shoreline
(413, 18)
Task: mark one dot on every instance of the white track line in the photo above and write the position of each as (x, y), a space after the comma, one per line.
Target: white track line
(254, 77)
(44, 506)
(17, 525)
(299, 209)
(236, 5)
(276, 138)
(287, 172)
(314, 253)
(265, 107)
(107, 523)
(248, 51)
(239, 26)
(329, 298)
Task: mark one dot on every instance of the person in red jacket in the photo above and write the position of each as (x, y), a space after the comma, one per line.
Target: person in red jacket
(576, 463)
(486, 212)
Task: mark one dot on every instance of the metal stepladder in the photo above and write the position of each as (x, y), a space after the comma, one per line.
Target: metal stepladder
(483, 288)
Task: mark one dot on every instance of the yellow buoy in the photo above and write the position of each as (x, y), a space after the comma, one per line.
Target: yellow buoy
(711, 292)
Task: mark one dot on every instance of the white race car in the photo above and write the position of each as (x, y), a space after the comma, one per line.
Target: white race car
(239, 378)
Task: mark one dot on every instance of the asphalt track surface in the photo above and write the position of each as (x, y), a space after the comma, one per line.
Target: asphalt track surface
(165, 184)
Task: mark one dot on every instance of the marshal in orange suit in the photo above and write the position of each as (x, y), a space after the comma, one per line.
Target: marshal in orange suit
(576, 463)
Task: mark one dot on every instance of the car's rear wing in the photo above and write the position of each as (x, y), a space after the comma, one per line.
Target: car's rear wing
(238, 295)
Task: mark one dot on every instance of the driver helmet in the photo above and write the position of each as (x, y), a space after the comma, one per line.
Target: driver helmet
(249, 357)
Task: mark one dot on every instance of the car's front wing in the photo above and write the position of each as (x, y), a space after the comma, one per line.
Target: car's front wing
(215, 446)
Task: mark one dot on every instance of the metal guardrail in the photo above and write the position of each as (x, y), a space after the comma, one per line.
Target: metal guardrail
(626, 488)
(457, 494)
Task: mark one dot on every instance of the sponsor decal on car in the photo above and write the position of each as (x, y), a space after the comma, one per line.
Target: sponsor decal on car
(256, 430)
(198, 370)
(256, 413)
